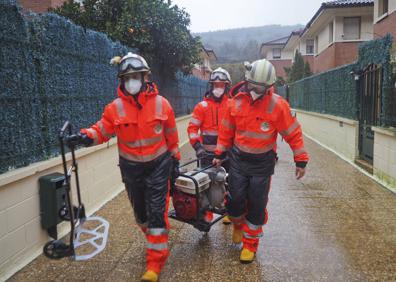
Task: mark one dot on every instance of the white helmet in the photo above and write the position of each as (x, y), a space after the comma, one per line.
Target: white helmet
(260, 72)
(220, 74)
(130, 63)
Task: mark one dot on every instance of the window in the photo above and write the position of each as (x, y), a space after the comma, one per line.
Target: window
(316, 44)
(276, 53)
(383, 6)
(351, 28)
(310, 46)
(331, 32)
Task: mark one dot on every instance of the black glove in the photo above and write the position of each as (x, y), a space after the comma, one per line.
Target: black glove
(174, 173)
(78, 139)
(200, 150)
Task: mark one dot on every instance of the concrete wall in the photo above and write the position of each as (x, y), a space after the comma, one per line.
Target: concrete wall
(21, 235)
(385, 155)
(339, 134)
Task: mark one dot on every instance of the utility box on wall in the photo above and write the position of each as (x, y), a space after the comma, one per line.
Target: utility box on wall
(53, 200)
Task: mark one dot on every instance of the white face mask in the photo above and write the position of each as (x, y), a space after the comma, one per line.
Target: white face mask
(255, 95)
(218, 92)
(133, 86)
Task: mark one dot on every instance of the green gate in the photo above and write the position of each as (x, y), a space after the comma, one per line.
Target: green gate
(369, 109)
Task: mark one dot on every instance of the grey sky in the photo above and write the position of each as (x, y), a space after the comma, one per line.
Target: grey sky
(207, 15)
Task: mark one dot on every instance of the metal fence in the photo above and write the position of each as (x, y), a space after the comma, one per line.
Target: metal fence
(51, 71)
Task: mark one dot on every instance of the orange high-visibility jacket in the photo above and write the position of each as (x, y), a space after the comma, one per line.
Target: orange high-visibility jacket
(206, 118)
(142, 134)
(253, 126)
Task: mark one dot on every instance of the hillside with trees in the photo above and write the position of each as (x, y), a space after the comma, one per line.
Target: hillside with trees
(237, 45)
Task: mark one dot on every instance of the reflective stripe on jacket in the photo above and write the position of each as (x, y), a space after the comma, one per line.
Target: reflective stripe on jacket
(205, 122)
(253, 126)
(144, 133)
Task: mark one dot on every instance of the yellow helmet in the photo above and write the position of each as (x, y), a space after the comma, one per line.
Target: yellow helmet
(260, 72)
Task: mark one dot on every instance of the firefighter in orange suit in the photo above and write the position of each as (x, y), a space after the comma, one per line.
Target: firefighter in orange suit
(206, 119)
(249, 130)
(144, 123)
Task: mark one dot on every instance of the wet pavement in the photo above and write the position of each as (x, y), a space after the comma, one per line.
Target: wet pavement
(336, 224)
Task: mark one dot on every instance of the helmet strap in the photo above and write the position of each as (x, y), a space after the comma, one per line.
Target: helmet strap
(144, 84)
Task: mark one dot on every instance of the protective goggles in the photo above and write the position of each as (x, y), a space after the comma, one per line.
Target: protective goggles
(132, 63)
(257, 88)
(218, 76)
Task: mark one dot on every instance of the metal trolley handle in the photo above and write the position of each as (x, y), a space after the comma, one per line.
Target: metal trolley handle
(57, 249)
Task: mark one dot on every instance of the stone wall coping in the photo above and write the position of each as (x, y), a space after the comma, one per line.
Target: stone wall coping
(183, 118)
(336, 118)
(390, 131)
(35, 168)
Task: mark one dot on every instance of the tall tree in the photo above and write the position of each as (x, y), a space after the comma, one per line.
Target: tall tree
(157, 29)
(307, 70)
(299, 69)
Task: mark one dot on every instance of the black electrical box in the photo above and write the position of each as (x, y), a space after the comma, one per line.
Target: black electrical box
(53, 200)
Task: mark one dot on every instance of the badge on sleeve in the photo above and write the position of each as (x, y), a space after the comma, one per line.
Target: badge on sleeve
(158, 128)
(265, 126)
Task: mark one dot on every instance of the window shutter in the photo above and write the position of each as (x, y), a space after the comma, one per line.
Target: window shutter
(351, 28)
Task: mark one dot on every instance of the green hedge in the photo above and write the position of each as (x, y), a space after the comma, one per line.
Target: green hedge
(52, 70)
(334, 92)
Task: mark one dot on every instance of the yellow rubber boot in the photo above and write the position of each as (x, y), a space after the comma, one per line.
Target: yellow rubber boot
(237, 235)
(226, 220)
(247, 256)
(149, 276)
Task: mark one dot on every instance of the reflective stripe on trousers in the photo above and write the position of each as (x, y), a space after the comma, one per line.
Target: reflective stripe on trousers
(157, 246)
